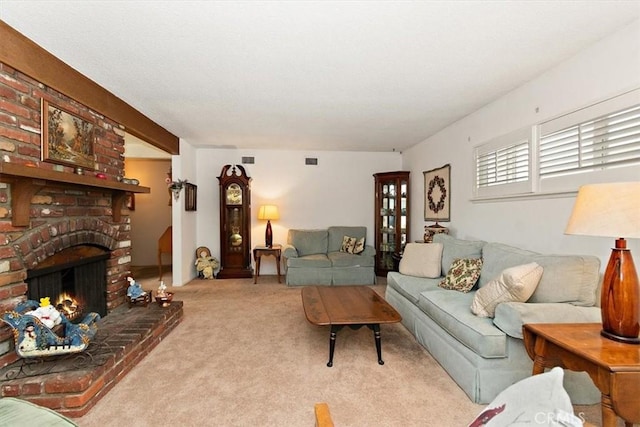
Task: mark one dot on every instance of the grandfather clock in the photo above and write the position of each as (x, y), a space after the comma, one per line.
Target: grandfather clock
(235, 223)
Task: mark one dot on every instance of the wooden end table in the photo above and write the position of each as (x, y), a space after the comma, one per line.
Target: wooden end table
(614, 367)
(260, 251)
(353, 306)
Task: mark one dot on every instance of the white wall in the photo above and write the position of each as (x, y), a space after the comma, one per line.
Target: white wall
(338, 191)
(184, 223)
(605, 69)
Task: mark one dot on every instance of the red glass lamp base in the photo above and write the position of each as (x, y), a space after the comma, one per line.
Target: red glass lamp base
(620, 299)
(268, 235)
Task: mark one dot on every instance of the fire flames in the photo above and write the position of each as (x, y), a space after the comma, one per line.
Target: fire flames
(68, 306)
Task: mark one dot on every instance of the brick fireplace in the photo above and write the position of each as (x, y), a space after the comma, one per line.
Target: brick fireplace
(47, 212)
(46, 208)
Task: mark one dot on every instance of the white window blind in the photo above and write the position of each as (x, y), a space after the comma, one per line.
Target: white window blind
(503, 165)
(608, 141)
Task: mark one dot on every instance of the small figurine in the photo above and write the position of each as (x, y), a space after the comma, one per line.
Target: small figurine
(47, 313)
(162, 289)
(206, 264)
(135, 289)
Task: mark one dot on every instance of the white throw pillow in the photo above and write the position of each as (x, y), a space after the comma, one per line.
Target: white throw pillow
(422, 260)
(514, 284)
(540, 400)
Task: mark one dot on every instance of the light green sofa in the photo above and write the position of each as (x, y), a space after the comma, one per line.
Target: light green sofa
(484, 355)
(21, 413)
(313, 257)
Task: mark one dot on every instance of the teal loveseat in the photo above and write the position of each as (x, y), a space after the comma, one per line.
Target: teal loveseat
(486, 355)
(314, 257)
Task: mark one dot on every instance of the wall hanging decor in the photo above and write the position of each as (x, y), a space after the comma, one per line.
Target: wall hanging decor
(66, 138)
(437, 194)
(190, 197)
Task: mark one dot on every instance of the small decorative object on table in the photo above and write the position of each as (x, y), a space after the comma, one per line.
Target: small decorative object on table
(163, 297)
(136, 295)
(432, 230)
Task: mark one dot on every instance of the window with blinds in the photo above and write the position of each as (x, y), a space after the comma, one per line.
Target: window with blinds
(503, 165)
(597, 143)
(608, 141)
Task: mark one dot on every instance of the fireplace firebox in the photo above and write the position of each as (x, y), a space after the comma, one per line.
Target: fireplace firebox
(74, 280)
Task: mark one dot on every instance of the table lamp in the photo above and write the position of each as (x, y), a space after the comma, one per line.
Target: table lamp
(613, 210)
(268, 212)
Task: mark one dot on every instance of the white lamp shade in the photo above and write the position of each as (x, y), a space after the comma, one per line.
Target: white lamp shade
(611, 210)
(268, 212)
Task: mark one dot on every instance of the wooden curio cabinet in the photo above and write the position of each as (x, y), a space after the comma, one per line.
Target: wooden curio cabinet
(391, 218)
(235, 223)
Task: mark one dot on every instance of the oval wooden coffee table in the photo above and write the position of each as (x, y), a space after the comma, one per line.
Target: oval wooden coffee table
(353, 306)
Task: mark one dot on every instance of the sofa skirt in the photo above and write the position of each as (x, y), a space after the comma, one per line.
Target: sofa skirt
(330, 276)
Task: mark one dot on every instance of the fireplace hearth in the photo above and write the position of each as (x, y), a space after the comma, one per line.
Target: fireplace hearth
(73, 385)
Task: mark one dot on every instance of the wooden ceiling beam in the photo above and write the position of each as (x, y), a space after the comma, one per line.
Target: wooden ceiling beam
(26, 56)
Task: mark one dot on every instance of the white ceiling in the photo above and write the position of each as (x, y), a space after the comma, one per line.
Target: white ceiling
(313, 75)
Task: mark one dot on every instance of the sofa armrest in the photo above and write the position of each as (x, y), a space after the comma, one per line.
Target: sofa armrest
(368, 251)
(16, 412)
(289, 251)
(511, 316)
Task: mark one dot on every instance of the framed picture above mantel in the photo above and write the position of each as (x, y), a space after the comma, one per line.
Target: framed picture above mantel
(437, 194)
(66, 138)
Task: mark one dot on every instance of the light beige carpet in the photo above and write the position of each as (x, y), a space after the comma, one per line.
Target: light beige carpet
(245, 355)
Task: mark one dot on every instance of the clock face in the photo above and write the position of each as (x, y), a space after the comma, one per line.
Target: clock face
(234, 194)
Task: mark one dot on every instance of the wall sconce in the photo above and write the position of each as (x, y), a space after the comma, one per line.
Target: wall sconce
(268, 212)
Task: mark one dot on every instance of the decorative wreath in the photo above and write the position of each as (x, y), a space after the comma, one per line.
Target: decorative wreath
(433, 206)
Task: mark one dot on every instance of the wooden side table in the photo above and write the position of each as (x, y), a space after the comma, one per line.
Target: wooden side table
(614, 367)
(260, 251)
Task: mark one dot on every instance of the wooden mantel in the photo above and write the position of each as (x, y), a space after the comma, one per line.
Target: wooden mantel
(26, 181)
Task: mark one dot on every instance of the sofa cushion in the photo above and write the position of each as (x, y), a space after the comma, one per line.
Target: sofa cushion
(539, 400)
(308, 242)
(566, 278)
(409, 286)
(309, 261)
(348, 244)
(336, 233)
(359, 247)
(421, 260)
(514, 284)
(450, 310)
(462, 275)
(456, 248)
(343, 259)
(511, 316)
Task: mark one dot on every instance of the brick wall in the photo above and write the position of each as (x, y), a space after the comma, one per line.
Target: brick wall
(60, 217)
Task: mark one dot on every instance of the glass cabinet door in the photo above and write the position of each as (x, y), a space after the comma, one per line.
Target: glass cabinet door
(392, 221)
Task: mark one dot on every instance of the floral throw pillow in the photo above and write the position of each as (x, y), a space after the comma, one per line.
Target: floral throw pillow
(359, 247)
(348, 243)
(463, 274)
